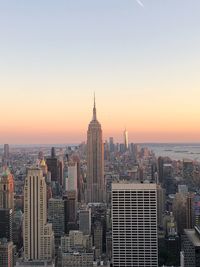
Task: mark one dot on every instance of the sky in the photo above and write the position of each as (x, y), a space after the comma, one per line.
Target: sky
(141, 58)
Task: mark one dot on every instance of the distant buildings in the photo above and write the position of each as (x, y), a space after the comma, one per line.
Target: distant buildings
(134, 224)
(188, 168)
(76, 250)
(77, 259)
(95, 161)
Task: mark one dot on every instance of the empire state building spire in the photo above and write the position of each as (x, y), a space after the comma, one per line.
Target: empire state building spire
(94, 110)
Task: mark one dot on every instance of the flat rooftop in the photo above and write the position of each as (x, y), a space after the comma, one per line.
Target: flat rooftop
(125, 185)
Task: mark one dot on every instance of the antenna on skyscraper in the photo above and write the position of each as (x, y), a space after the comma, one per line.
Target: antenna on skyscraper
(94, 100)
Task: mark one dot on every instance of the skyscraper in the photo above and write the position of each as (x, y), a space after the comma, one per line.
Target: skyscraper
(134, 224)
(85, 221)
(70, 210)
(38, 234)
(191, 247)
(6, 253)
(95, 161)
(53, 166)
(6, 155)
(56, 215)
(6, 221)
(126, 139)
(72, 182)
(6, 151)
(6, 190)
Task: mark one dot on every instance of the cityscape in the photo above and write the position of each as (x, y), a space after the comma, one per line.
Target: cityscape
(98, 204)
(99, 133)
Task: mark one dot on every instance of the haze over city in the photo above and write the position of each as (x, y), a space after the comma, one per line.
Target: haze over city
(141, 59)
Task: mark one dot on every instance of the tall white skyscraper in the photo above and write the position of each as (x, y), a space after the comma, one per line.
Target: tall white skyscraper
(134, 224)
(38, 234)
(126, 139)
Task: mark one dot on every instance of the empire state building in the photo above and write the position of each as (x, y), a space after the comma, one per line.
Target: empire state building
(95, 161)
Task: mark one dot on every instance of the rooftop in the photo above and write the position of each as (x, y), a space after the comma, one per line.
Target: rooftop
(193, 236)
(126, 185)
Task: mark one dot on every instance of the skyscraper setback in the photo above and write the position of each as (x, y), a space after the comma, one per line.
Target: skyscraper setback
(95, 162)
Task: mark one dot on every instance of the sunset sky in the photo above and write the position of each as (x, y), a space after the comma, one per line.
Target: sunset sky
(142, 61)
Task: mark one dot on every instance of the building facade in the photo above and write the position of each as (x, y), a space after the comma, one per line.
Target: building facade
(6, 253)
(191, 247)
(134, 224)
(85, 221)
(38, 234)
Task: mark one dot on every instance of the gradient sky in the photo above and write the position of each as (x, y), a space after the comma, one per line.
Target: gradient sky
(142, 62)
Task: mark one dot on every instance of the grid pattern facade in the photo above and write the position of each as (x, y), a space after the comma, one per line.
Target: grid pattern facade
(134, 225)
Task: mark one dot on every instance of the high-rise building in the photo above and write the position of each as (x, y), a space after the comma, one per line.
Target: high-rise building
(6, 151)
(6, 221)
(126, 139)
(160, 170)
(111, 144)
(76, 160)
(6, 190)
(17, 229)
(134, 224)
(95, 162)
(53, 166)
(70, 210)
(180, 211)
(6, 155)
(85, 221)
(161, 204)
(56, 215)
(37, 233)
(72, 182)
(188, 169)
(98, 239)
(61, 171)
(191, 247)
(6, 253)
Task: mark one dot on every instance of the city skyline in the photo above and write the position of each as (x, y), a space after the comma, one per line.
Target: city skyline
(142, 61)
